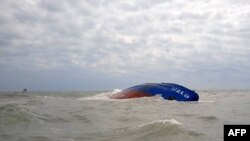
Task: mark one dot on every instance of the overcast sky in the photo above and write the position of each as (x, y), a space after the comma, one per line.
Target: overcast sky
(108, 44)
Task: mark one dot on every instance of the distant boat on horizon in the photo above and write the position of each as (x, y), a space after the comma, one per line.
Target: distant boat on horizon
(25, 90)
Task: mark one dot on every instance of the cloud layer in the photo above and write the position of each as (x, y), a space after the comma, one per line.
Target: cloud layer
(203, 44)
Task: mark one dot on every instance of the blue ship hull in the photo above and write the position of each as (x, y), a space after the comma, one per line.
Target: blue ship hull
(168, 91)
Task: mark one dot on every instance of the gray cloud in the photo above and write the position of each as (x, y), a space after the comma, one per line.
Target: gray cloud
(186, 42)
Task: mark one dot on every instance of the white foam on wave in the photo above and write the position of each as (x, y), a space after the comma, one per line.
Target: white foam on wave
(102, 96)
(164, 122)
(53, 97)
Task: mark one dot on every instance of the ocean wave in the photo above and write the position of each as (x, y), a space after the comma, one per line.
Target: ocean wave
(167, 129)
(36, 138)
(12, 114)
(157, 130)
(208, 118)
(101, 96)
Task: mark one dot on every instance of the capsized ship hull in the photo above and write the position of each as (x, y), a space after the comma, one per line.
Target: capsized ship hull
(168, 91)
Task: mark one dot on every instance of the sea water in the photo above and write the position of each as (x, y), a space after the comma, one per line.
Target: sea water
(92, 116)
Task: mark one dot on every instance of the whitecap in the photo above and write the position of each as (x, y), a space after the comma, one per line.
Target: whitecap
(163, 122)
(101, 96)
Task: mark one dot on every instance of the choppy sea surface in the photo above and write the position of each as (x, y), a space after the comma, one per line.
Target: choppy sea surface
(92, 116)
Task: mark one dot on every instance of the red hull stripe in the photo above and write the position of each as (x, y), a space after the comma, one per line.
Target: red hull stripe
(129, 94)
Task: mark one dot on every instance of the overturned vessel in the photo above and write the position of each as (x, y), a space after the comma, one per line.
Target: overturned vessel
(169, 91)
